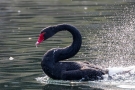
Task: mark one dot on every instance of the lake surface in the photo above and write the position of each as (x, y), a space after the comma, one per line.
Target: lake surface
(107, 28)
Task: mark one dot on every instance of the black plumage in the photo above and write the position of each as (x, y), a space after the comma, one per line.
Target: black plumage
(53, 63)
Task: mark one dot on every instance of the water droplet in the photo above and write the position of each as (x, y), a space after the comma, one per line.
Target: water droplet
(85, 8)
(11, 58)
(19, 11)
(29, 38)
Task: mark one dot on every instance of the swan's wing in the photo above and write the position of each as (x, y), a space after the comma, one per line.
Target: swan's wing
(72, 75)
(86, 74)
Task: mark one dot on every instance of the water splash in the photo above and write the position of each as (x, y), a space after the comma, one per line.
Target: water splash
(118, 39)
(44, 79)
(118, 80)
(118, 47)
(127, 86)
(122, 73)
(121, 77)
(114, 47)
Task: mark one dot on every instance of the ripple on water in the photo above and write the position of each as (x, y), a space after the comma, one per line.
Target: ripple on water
(119, 79)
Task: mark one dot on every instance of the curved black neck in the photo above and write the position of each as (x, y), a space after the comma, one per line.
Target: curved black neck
(71, 50)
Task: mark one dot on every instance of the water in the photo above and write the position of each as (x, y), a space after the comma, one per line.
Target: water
(107, 28)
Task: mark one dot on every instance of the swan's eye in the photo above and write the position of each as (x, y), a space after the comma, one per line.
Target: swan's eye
(40, 38)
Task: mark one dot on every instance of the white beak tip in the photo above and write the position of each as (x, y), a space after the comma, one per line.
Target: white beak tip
(37, 43)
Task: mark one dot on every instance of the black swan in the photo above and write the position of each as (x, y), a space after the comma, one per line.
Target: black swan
(53, 64)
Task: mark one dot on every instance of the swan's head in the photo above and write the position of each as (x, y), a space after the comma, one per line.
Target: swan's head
(45, 34)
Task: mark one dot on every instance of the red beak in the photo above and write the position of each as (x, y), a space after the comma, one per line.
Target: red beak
(40, 39)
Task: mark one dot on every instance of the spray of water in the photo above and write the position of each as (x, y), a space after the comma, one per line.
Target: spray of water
(118, 46)
(120, 38)
(114, 46)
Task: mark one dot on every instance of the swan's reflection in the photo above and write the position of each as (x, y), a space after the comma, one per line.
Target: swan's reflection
(62, 87)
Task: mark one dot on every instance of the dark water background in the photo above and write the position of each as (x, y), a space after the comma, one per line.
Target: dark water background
(107, 28)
